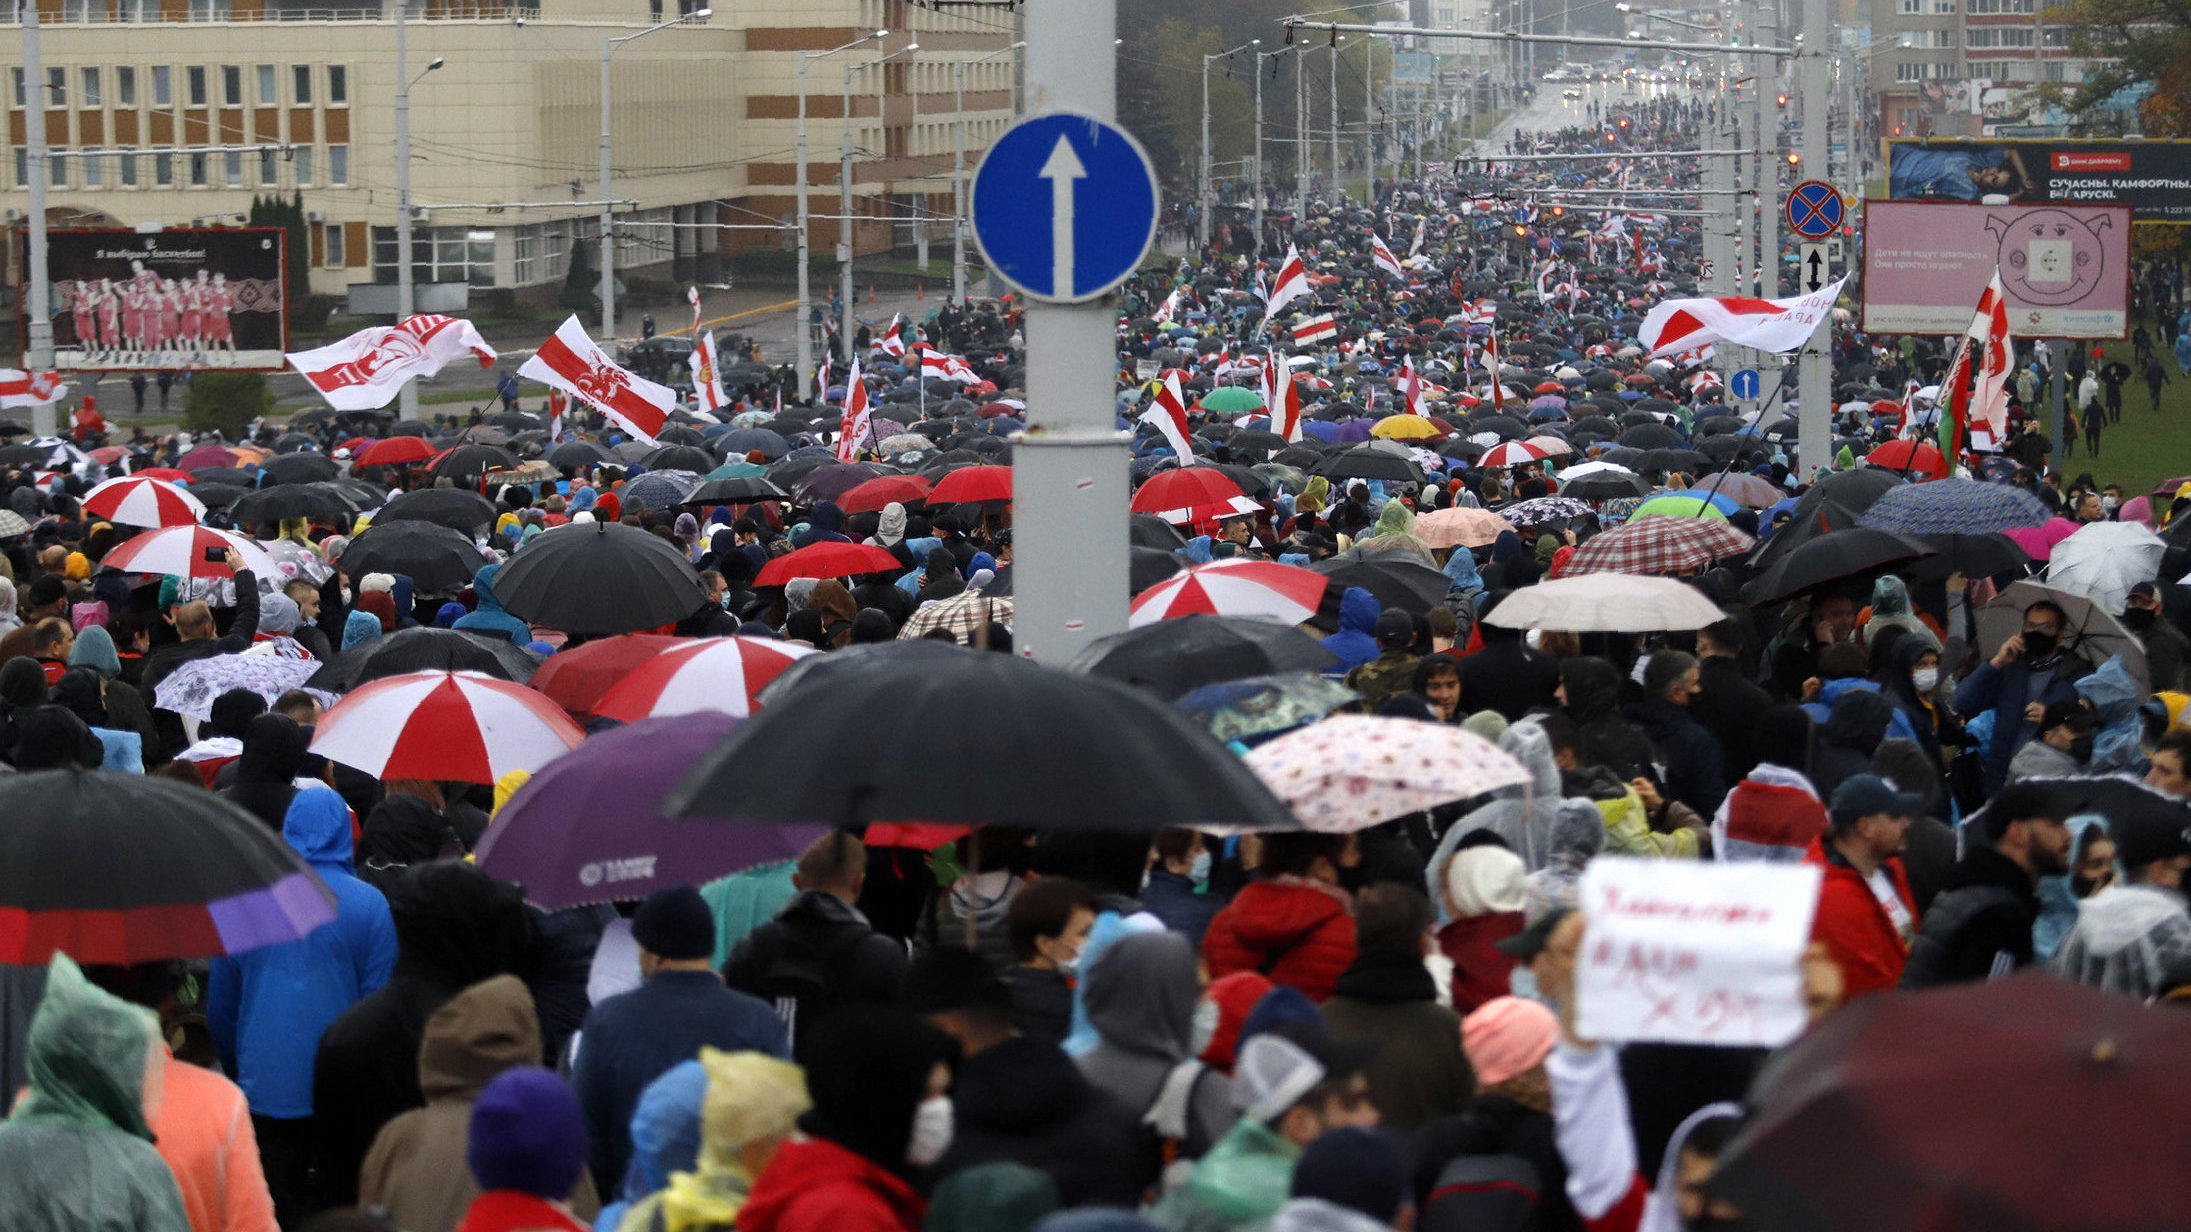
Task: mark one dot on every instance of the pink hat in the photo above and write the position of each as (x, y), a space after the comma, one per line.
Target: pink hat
(1507, 1037)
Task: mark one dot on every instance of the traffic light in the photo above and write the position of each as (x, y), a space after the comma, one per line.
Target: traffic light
(1521, 231)
(1559, 211)
(1783, 100)
(1794, 159)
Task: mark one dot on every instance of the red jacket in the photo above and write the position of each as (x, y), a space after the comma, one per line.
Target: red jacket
(1481, 972)
(814, 1185)
(1855, 928)
(1295, 931)
(507, 1210)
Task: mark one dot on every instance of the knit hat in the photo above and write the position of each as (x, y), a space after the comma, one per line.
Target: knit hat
(372, 582)
(1484, 880)
(1280, 1005)
(527, 1135)
(675, 924)
(1353, 1168)
(1507, 1037)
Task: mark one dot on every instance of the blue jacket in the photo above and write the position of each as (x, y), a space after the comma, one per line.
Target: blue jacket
(1355, 643)
(1899, 728)
(268, 1007)
(2006, 691)
(1173, 899)
(489, 617)
(633, 1038)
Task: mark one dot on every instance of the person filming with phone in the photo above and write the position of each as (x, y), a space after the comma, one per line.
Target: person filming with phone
(197, 637)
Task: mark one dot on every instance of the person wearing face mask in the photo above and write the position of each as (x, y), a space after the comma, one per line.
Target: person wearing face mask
(2026, 674)
(1910, 681)
(1177, 891)
(882, 1117)
(1980, 925)
(2130, 937)
(2165, 645)
(2063, 747)
(1048, 925)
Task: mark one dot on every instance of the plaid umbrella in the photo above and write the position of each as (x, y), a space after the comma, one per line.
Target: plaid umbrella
(962, 614)
(1653, 544)
(1954, 507)
(1352, 771)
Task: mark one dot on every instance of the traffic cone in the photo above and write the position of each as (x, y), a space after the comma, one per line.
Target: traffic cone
(871, 293)
(920, 292)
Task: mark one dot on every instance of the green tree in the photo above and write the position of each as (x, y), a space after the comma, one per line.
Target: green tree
(226, 402)
(579, 292)
(2135, 43)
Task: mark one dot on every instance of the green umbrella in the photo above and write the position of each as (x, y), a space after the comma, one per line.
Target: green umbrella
(1232, 399)
(735, 470)
(1680, 507)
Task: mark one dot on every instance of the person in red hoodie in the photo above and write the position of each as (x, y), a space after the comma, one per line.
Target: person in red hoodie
(879, 1080)
(1866, 915)
(1293, 923)
(1483, 890)
(526, 1146)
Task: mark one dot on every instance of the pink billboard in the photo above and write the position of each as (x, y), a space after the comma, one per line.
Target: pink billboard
(2066, 267)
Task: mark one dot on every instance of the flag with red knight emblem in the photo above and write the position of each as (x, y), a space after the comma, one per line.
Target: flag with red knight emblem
(571, 362)
(1777, 325)
(20, 388)
(364, 371)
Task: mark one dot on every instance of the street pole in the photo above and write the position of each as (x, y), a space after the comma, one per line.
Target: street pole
(406, 280)
(1207, 198)
(1334, 186)
(847, 234)
(38, 300)
(1767, 78)
(609, 44)
(806, 292)
(1069, 473)
(1301, 144)
(1814, 373)
(958, 176)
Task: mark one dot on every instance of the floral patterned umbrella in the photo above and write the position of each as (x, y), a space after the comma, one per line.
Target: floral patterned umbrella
(1350, 772)
(189, 690)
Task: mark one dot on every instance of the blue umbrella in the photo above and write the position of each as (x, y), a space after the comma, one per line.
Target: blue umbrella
(1718, 500)
(1953, 507)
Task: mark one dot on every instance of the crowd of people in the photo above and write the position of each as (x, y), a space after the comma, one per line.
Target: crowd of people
(1953, 684)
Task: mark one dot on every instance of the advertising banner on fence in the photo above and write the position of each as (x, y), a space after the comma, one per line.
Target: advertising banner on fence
(2153, 178)
(2066, 268)
(124, 300)
(1690, 953)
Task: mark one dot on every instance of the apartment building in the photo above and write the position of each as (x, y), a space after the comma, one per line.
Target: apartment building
(1936, 67)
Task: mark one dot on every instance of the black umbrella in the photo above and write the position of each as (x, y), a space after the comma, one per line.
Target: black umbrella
(1831, 558)
(1833, 503)
(1396, 582)
(514, 421)
(1973, 556)
(470, 461)
(739, 442)
(599, 578)
(738, 490)
(218, 495)
(360, 494)
(289, 500)
(298, 468)
(222, 474)
(679, 434)
(1366, 461)
(410, 427)
(132, 868)
(1069, 753)
(680, 458)
(1175, 657)
(435, 558)
(425, 650)
(460, 510)
(1146, 530)
(1671, 460)
(291, 442)
(578, 455)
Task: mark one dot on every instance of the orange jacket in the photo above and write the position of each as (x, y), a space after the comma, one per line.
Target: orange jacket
(204, 1133)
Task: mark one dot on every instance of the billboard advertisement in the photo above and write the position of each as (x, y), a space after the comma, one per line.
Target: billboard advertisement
(2153, 178)
(128, 300)
(2066, 268)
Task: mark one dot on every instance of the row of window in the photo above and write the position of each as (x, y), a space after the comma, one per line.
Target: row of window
(96, 168)
(138, 10)
(199, 83)
(1949, 8)
(1988, 70)
(438, 254)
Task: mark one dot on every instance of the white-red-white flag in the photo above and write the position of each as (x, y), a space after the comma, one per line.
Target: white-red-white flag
(364, 371)
(1168, 415)
(853, 428)
(1491, 365)
(571, 362)
(1309, 330)
(707, 373)
(1266, 380)
(20, 388)
(1996, 358)
(1285, 403)
(1411, 386)
(1292, 284)
(1383, 256)
(1415, 249)
(692, 296)
(558, 402)
(1777, 325)
(821, 377)
(891, 343)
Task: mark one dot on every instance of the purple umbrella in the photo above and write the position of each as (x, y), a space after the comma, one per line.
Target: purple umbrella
(1322, 429)
(585, 829)
(1353, 431)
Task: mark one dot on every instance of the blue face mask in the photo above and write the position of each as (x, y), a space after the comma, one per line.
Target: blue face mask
(1200, 873)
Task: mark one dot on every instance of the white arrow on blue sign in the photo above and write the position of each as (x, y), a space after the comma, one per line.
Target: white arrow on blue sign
(1745, 384)
(1065, 206)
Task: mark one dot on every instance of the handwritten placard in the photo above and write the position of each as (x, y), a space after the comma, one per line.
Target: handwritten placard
(1694, 953)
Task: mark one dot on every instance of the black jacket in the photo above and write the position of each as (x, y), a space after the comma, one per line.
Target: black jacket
(1491, 1128)
(1979, 925)
(818, 956)
(1729, 708)
(1024, 1101)
(1507, 676)
(1695, 771)
(1042, 1003)
(1593, 702)
(165, 659)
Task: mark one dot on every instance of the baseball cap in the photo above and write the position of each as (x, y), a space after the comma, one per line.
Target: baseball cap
(1530, 942)
(2074, 713)
(2156, 833)
(1862, 795)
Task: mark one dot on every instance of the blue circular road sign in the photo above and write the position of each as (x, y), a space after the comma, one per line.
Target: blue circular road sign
(1065, 206)
(1814, 209)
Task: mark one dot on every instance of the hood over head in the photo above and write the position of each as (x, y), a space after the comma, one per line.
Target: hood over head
(1859, 719)
(87, 1054)
(1141, 992)
(475, 1035)
(456, 925)
(317, 827)
(1358, 611)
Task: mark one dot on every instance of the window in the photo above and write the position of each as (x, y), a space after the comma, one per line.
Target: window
(137, 10)
(1909, 8)
(338, 165)
(302, 161)
(57, 170)
(198, 170)
(194, 85)
(300, 84)
(231, 85)
(331, 245)
(163, 86)
(126, 166)
(2056, 37)
(15, 80)
(266, 169)
(56, 87)
(338, 86)
(209, 10)
(2000, 36)
(269, 86)
(163, 170)
(125, 87)
(1945, 8)
(93, 96)
(232, 168)
(438, 254)
(79, 10)
(94, 168)
(22, 167)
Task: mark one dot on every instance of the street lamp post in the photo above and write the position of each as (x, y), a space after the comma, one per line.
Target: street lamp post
(608, 209)
(846, 234)
(806, 293)
(1333, 187)
(1209, 190)
(406, 288)
(38, 288)
(958, 172)
(1259, 58)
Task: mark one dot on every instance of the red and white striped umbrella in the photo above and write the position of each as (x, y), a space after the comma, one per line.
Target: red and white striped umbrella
(1511, 453)
(189, 551)
(455, 727)
(1233, 588)
(134, 500)
(720, 673)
